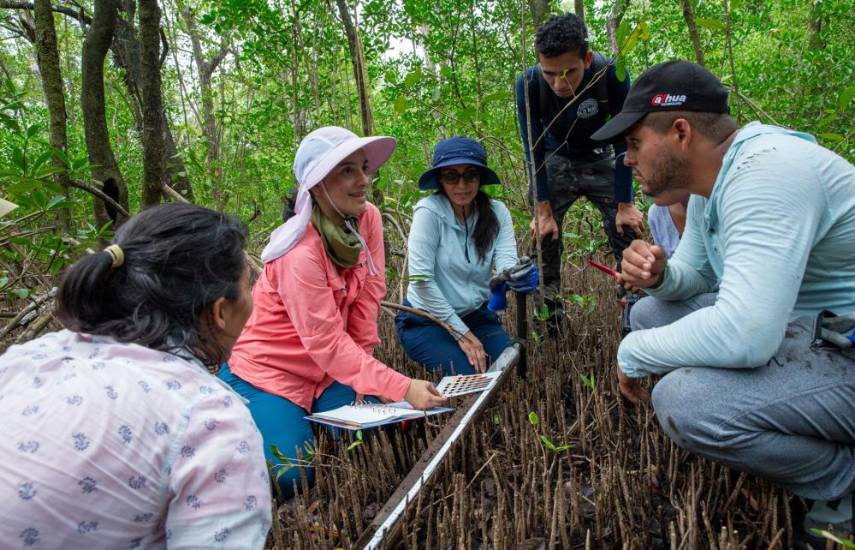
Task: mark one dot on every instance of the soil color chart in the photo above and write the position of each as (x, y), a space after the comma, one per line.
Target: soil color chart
(452, 386)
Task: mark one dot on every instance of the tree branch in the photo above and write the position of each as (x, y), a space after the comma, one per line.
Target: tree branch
(101, 195)
(451, 330)
(78, 15)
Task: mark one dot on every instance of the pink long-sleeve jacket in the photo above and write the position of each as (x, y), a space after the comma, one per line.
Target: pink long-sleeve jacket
(314, 323)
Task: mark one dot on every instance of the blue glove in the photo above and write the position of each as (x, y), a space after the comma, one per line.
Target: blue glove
(525, 282)
(497, 301)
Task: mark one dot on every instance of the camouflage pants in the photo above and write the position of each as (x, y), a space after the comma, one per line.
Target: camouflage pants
(569, 179)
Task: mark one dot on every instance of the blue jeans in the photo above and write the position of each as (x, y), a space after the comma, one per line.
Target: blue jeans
(282, 424)
(435, 349)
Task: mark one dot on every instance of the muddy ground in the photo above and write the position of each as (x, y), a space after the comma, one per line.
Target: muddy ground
(608, 477)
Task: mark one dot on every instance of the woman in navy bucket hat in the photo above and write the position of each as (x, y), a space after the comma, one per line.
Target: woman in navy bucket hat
(458, 237)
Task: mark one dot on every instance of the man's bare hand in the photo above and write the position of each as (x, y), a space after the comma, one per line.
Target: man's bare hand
(631, 388)
(630, 216)
(545, 223)
(642, 266)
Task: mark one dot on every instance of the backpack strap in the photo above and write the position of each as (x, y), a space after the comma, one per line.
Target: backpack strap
(601, 88)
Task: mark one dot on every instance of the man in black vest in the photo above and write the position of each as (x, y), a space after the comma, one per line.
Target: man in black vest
(572, 92)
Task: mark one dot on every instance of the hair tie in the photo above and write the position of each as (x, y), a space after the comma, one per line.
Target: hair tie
(116, 253)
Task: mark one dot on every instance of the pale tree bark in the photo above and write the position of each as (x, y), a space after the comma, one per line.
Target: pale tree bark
(357, 58)
(539, 10)
(47, 56)
(205, 69)
(105, 170)
(689, 16)
(615, 17)
(152, 103)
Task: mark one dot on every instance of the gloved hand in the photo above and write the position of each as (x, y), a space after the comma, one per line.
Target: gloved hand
(498, 301)
(524, 280)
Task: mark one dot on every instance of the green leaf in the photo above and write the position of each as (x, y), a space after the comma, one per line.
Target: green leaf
(446, 72)
(4, 280)
(830, 136)
(33, 130)
(640, 32)
(833, 537)
(620, 69)
(413, 78)
(496, 96)
(401, 104)
(60, 154)
(41, 160)
(644, 31)
(712, 24)
(533, 418)
(278, 454)
(589, 381)
(354, 445)
(47, 170)
(79, 162)
(18, 158)
(845, 97)
(21, 293)
(22, 185)
(466, 115)
(548, 442)
(56, 202)
(622, 31)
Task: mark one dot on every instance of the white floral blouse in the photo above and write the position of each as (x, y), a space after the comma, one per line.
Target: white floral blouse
(110, 445)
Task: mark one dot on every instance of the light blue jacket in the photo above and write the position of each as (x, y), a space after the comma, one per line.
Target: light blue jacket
(447, 278)
(778, 231)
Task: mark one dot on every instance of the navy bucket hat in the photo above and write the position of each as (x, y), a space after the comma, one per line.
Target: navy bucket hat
(458, 150)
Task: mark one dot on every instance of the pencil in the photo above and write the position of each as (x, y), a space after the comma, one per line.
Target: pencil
(603, 268)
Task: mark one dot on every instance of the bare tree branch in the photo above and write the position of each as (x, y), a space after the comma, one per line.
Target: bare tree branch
(101, 195)
(78, 15)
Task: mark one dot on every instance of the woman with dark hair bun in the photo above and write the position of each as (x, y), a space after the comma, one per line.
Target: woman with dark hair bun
(117, 433)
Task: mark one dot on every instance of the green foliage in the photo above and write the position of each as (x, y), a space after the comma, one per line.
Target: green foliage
(589, 380)
(436, 69)
(356, 442)
(834, 538)
(533, 418)
(547, 442)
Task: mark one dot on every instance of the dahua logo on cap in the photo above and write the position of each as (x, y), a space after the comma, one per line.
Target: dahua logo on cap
(667, 100)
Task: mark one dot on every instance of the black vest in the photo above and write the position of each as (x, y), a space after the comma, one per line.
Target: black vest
(572, 130)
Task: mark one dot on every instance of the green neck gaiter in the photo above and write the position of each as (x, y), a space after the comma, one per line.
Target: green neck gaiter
(341, 244)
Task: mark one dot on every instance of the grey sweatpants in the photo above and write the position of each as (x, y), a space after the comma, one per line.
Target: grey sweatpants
(791, 421)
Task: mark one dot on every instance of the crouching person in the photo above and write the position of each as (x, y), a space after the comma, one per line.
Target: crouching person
(308, 345)
(116, 432)
(459, 235)
(772, 219)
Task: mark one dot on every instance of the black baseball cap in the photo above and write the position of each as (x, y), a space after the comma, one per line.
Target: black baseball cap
(670, 86)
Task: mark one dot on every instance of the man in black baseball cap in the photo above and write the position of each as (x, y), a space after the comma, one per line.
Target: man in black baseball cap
(759, 376)
(671, 86)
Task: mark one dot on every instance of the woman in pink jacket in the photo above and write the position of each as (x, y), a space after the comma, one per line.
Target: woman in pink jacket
(308, 345)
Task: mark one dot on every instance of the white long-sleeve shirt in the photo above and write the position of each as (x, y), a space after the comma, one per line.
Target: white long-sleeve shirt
(110, 445)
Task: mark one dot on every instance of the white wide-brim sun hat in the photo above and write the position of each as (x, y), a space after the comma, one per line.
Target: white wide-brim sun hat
(318, 153)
